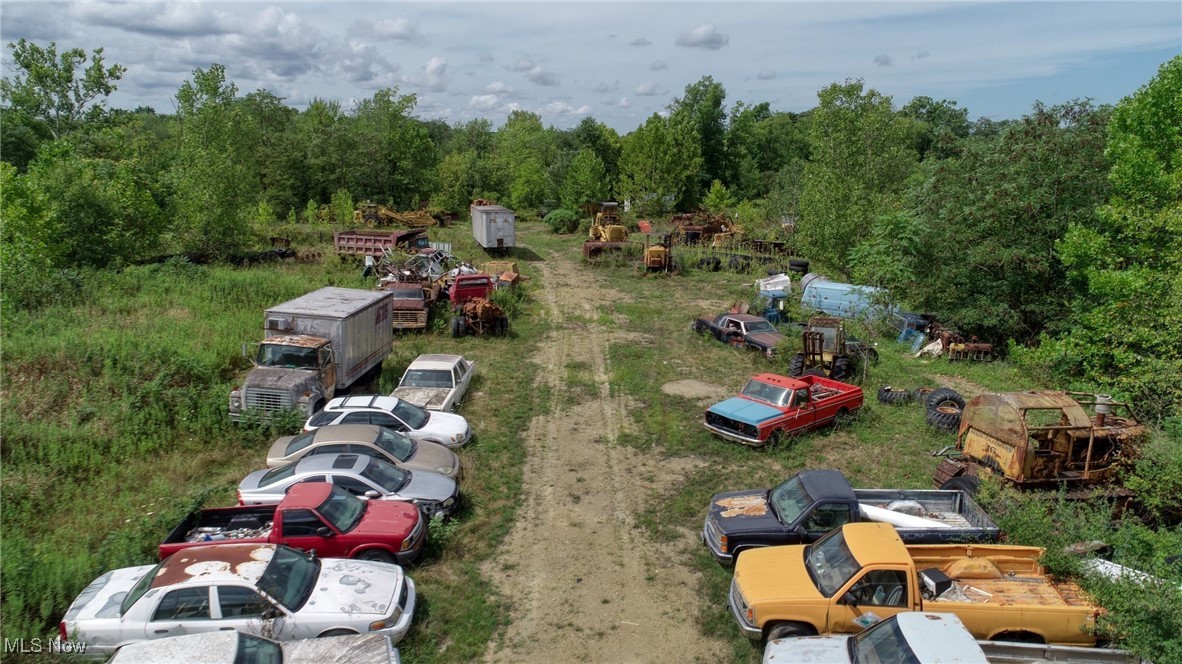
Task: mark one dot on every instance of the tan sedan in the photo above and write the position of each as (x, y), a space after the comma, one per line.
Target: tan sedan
(370, 440)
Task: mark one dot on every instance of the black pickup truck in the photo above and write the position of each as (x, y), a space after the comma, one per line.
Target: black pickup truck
(813, 502)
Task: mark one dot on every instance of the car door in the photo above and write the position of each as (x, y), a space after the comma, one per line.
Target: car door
(386, 420)
(876, 594)
(243, 609)
(354, 485)
(181, 611)
(804, 412)
(300, 529)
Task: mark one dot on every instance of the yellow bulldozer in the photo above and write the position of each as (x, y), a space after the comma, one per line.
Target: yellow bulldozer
(607, 232)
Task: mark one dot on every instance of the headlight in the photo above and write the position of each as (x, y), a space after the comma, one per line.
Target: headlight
(722, 543)
(304, 407)
(235, 403)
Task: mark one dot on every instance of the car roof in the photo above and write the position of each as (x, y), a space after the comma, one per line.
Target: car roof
(346, 433)
(745, 318)
(435, 361)
(323, 463)
(310, 493)
(209, 564)
(380, 402)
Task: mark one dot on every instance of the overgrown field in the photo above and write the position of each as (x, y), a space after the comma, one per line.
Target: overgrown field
(114, 425)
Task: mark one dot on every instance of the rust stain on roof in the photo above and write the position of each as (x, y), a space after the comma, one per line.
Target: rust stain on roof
(295, 340)
(743, 506)
(244, 561)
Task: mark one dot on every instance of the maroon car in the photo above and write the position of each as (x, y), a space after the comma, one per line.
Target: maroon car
(742, 330)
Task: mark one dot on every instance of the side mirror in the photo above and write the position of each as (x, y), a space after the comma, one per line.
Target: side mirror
(324, 531)
(800, 531)
(849, 599)
(372, 495)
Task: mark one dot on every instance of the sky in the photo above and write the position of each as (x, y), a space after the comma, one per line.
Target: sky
(617, 62)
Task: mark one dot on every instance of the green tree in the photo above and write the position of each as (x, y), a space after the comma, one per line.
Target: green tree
(393, 158)
(603, 141)
(940, 126)
(53, 88)
(276, 149)
(214, 179)
(702, 108)
(1123, 262)
(586, 181)
(862, 154)
(718, 200)
(659, 159)
(531, 186)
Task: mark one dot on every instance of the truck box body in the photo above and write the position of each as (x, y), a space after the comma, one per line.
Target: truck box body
(822, 500)
(356, 321)
(493, 226)
(378, 243)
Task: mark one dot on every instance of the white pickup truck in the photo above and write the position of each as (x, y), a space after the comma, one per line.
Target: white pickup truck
(923, 637)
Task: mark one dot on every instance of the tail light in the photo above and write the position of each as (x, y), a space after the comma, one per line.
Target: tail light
(61, 631)
(240, 502)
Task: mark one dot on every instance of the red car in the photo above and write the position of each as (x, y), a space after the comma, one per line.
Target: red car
(771, 407)
(313, 515)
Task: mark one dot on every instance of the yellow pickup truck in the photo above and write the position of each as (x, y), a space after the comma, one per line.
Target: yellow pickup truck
(863, 573)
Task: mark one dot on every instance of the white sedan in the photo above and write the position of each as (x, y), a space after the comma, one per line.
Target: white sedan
(253, 588)
(436, 382)
(230, 647)
(447, 429)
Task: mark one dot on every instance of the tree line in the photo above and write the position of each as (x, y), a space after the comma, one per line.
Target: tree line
(1059, 232)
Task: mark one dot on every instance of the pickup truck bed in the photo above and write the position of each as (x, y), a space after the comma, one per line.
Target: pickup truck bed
(215, 524)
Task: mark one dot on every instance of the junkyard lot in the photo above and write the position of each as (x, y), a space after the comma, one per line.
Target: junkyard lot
(93, 410)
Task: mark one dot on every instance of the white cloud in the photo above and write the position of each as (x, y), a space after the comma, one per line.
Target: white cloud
(640, 41)
(563, 108)
(648, 89)
(484, 102)
(766, 74)
(363, 63)
(524, 63)
(623, 103)
(541, 76)
(704, 36)
(601, 88)
(396, 29)
(658, 65)
(498, 88)
(434, 76)
(883, 60)
(179, 19)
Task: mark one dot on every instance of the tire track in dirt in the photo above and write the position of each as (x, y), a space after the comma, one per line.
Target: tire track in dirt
(582, 583)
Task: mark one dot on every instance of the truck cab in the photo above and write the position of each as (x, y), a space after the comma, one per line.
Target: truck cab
(290, 372)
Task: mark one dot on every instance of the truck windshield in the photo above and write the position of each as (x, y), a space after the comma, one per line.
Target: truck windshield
(830, 563)
(253, 650)
(408, 294)
(395, 444)
(290, 577)
(790, 500)
(427, 378)
(883, 642)
(287, 357)
(767, 393)
(386, 475)
(342, 509)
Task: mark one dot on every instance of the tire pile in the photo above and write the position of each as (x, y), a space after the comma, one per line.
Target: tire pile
(943, 405)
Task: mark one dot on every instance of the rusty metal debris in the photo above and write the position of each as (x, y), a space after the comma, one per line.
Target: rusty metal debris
(743, 506)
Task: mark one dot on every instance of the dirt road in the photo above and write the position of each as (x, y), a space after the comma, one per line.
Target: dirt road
(583, 583)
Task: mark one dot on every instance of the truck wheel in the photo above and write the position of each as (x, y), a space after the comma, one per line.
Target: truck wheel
(457, 327)
(789, 630)
(964, 483)
(893, 395)
(796, 365)
(502, 329)
(377, 556)
(944, 418)
(841, 368)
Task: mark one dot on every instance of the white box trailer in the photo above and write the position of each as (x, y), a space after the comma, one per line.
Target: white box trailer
(493, 226)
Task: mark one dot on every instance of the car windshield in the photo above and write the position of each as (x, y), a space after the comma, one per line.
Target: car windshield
(413, 416)
(767, 393)
(291, 357)
(290, 577)
(881, 644)
(386, 475)
(790, 500)
(253, 650)
(395, 444)
(299, 442)
(830, 563)
(276, 475)
(137, 591)
(758, 326)
(342, 509)
(427, 378)
(408, 294)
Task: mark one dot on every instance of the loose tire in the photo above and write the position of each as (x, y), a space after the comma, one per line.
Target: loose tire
(965, 483)
(457, 327)
(945, 397)
(503, 323)
(377, 556)
(944, 418)
(893, 395)
(789, 630)
(710, 264)
(841, 368)
(796, 365)
(920, 394)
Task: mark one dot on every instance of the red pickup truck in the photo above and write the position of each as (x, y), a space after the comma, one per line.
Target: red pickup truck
(771, 407)
(468, 286)
(313, 515)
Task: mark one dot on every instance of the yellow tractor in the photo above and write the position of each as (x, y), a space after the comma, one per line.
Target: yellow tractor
(607, 232)
(658, 254)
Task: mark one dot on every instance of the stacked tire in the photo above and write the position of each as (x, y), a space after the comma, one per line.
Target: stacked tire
(892, 395)
(944, 408)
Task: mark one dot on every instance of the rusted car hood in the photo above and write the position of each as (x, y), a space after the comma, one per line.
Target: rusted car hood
(101, 599)
(354, 587)
(408, 305)
(765, 339)
(424, 397)
(743, 511)
(274, 378)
